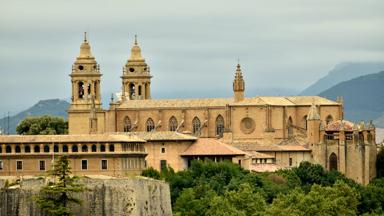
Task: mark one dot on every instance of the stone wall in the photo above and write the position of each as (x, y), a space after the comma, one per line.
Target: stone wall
(123, 196)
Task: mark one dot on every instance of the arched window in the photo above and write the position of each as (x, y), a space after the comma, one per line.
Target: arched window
(36, 149)
(305, 123)
(173, 123)
(196, 126)
(333, 162)
(8, 149)
(127, 124)
(17, 149)
(75, 148)
(102, 148)
(219, 126)
(84, 148)
(139, 90)
(65, 148)
(150, 125)
(27, 149)
(55, 148)
(46, 148)
(329, 119)
(131, 90)
(94, 148)
(290, 126)
(81, 89)
(111, 148)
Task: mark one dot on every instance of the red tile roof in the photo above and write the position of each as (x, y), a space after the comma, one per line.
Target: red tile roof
(210, 146)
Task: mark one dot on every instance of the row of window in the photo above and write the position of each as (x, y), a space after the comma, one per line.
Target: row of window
(173, 125)
(42, 167)
(64, 148)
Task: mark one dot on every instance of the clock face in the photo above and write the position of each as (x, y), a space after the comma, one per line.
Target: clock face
(81, 67)
(131, 69)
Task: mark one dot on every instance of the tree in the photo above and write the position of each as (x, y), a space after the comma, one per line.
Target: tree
(339, 199)
(42, 125)
(380, 163)
(55, 198)
(151, 173)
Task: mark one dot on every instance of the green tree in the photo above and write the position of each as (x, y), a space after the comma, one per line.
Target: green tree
(42, 125)
(56, 197)
(151, 173)
(339, 199)
(380, 163)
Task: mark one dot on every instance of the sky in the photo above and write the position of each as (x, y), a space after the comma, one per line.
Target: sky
(192, 47)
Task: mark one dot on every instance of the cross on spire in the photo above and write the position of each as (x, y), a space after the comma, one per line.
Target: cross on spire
(85, 36)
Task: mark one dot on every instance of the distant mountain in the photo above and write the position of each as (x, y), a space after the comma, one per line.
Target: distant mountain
(363, 97)
(54, 107)
(343, 72)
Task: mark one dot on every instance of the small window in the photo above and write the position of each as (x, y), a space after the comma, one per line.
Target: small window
(102, 148)
(163, 164)
(219, 126)
(27, 149)
(162, 150)
(127, 124)
(290, 161)
(42, 165)
(75, 148)
(36, 149)
(65, 148)
(46, 148)
(104, 164)
(56, 148)
(1, 165)
(84, 164)
(94, 148)
(17, 149)
(173, 123)
(19, 165)
(111, 148)
(8, 149)
(84, 148)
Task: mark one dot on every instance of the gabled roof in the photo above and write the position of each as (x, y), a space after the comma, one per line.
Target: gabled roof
(222, 102)
(211, 147)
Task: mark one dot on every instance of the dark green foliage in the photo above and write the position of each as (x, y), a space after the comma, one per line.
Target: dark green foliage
(42, 125)
(380, 163)
(151, 173)
(56, 197)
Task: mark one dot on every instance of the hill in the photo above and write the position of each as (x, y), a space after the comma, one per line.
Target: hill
(343, 72)
(362, 96)
(54, 107)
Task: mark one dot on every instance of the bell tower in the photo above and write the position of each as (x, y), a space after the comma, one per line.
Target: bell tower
(86, 95)
(238, 85)
(136, 76)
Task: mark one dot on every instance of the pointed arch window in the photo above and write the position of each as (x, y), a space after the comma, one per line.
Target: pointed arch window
(196, 124)
(290, 126)
(150, 125)
(127, 124)
(329, 119)
(332, 162)
(219, 126)
(173, 123)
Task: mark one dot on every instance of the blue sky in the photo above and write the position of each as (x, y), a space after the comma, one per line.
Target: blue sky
(192, 47)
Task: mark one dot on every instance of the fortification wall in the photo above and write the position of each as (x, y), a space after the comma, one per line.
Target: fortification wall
(123, 196)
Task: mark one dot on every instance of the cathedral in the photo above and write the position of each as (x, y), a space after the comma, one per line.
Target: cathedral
(258, 133)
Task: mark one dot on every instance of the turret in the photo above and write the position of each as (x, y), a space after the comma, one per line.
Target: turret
(313, 125)
(238, 85)
(136, 78)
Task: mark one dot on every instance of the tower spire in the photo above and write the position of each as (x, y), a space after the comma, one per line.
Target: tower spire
(238, 84)
(85, 37)
(135, 39)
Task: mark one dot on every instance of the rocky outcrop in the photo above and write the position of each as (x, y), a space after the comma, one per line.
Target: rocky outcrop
(122, 196)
